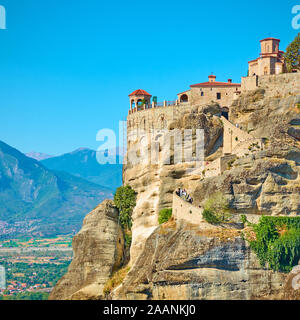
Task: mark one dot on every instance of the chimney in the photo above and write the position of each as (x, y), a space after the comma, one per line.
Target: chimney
(229, 80)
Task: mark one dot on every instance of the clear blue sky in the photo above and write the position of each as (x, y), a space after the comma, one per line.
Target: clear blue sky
(67, 67)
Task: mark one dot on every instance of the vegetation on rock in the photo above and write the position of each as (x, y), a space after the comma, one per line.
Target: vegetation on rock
(276, 241)
(164, 215)
(216, 209)
(125, 201)
(115, 280)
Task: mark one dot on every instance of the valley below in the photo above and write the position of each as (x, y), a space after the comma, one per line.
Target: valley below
(33, 266)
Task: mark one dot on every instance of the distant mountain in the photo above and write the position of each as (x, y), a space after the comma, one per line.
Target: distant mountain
(36, 200)
(38, 156)
(83, 163)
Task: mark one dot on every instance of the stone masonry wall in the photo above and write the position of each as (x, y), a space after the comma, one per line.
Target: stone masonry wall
(183, 210)
(210, 95)
(155, 118)
(234, 136)
(273, 84)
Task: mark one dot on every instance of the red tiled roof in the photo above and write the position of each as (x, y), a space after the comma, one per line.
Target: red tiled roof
(140, 92)
(215, 84)
(269, 39)
(255, 60)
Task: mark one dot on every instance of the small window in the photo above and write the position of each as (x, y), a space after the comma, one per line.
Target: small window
(218, 96)
(202, 93)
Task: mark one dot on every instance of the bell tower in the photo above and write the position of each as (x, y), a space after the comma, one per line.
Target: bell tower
(269, 46)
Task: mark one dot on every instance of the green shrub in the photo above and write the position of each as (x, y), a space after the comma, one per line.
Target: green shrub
(216, 208)
(277, 242)
(244, 219)
(209, 216)
(164, 215)
(128, 239)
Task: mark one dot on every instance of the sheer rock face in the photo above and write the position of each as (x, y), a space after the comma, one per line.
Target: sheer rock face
(175, 263)
(156, 182)
(98, 251)
(198, 262)
(260, 184)
(182, 261)
(273, 118)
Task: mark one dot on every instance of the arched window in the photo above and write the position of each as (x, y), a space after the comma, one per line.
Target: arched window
(265, 70)
(132, 104)
(184, 98)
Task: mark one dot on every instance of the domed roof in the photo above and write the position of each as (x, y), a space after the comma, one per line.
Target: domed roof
(140, 92)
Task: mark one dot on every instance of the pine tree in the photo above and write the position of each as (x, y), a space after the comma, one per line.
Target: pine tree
(292, 55)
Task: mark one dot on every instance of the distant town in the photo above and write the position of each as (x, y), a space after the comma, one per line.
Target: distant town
(33, 266)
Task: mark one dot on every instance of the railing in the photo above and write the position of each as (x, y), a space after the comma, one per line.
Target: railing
(171, 103)
(156, 105)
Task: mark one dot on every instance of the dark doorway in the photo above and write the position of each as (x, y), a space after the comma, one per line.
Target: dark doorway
(225, 112)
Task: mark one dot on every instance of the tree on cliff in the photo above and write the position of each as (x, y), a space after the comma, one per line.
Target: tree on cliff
(292, 55)
(216, 209)
(125, 200)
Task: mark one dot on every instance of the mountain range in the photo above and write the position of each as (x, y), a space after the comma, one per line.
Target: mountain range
(83, 164)
(38, 155)
(37, 200)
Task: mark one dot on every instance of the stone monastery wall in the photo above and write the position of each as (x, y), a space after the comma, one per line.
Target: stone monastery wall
(156, 117)
(183, 210)
(237, 141)
(273, 84)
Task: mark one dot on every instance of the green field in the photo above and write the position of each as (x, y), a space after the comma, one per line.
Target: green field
(33, 266)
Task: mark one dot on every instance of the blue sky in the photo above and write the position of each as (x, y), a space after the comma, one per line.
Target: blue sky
(67, 67)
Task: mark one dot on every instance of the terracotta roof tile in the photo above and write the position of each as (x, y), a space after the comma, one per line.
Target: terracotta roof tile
(140, 92)
(269, 39)
(215, 84)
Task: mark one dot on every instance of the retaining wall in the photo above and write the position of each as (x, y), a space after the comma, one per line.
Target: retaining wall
(182, 210)
(279, 85)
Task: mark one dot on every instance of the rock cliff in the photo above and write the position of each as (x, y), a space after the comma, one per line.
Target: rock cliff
(191, 262)
(98, 251)
(183, 262)
(178, 260)
(155, 183)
